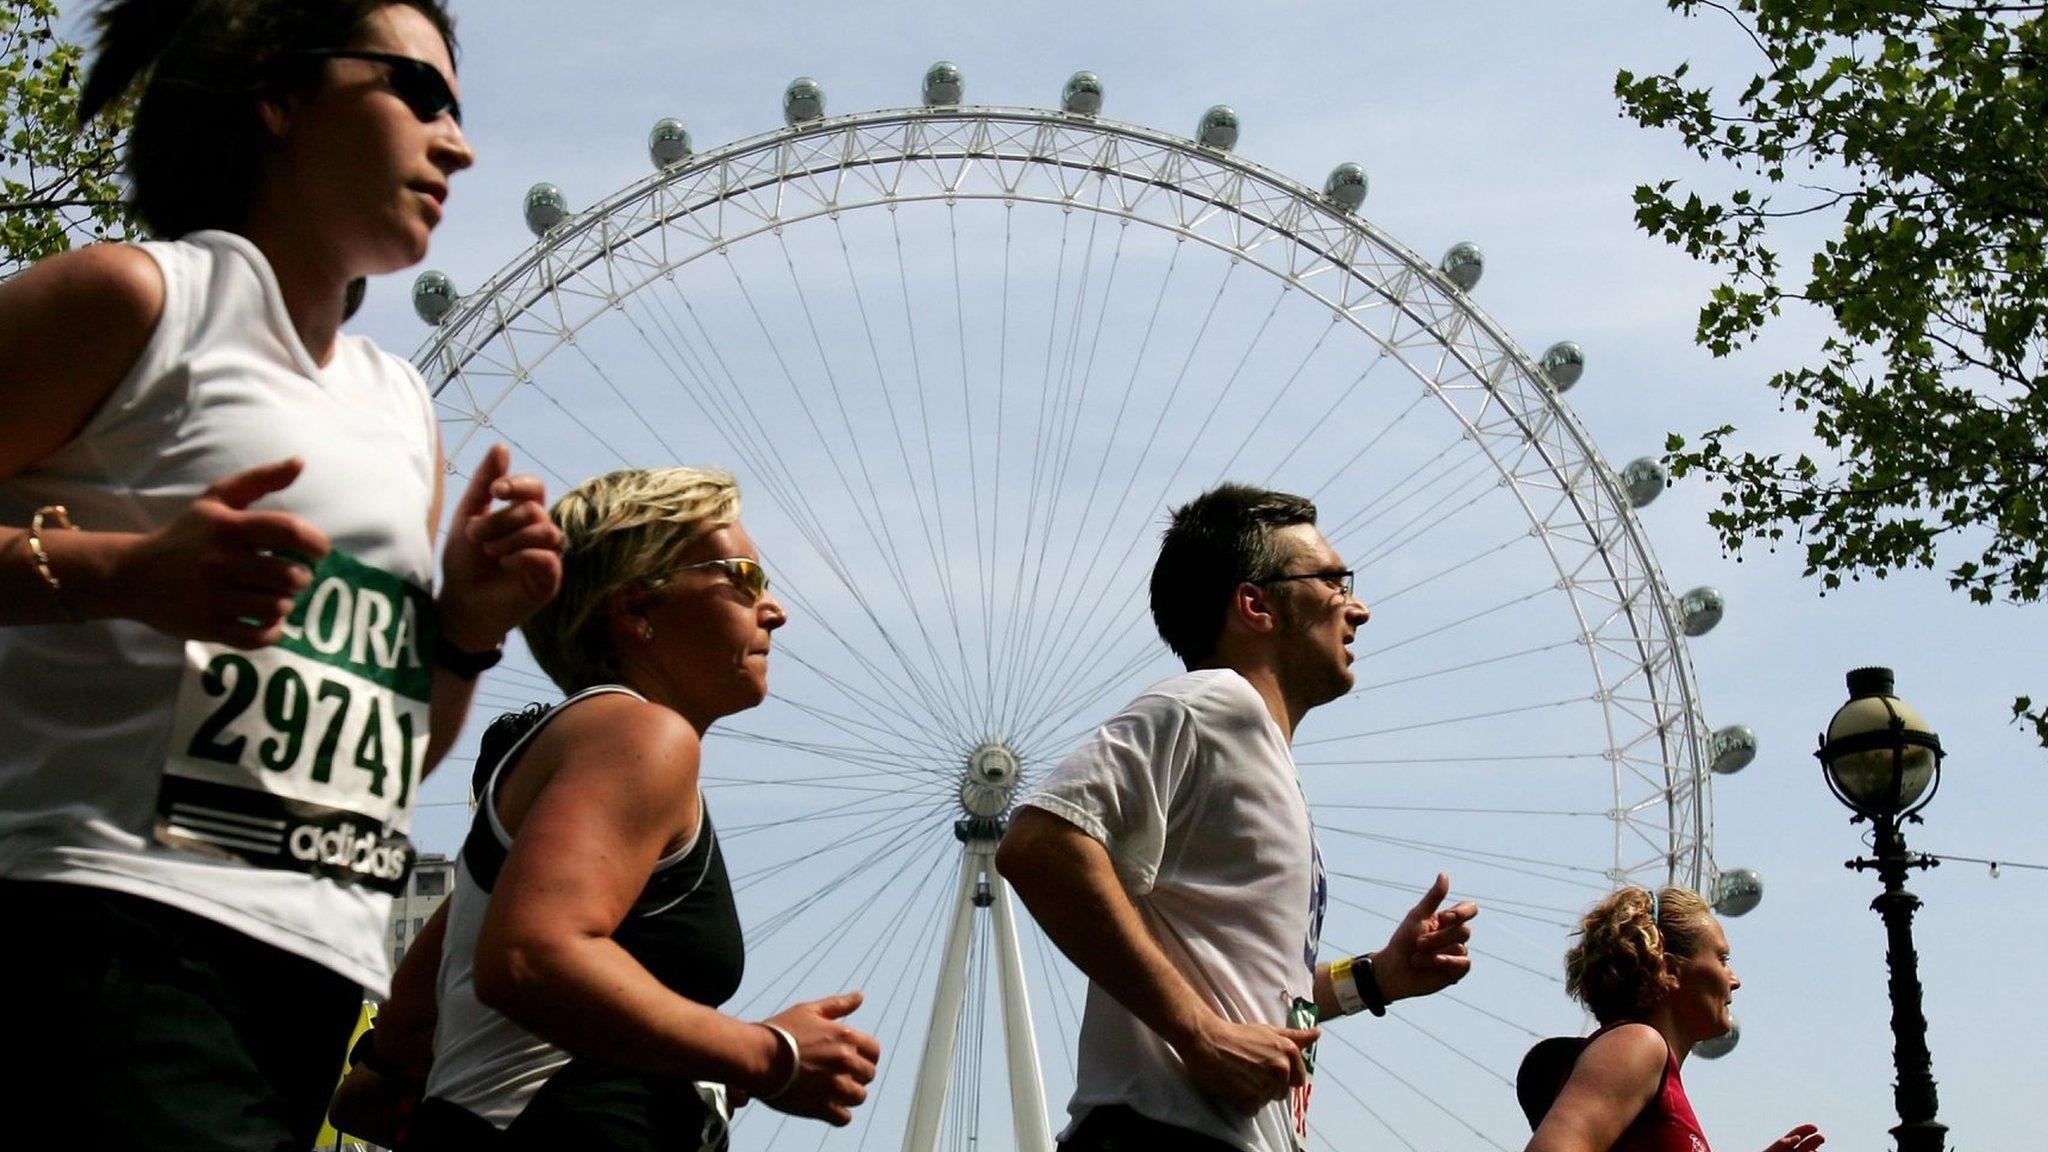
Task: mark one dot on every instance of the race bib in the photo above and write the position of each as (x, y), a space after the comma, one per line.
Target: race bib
(303, 755)
(1302, 1013)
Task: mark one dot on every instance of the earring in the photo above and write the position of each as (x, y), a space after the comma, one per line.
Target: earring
(646, 630)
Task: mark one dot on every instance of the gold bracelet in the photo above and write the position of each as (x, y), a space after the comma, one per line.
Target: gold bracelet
(58, 518)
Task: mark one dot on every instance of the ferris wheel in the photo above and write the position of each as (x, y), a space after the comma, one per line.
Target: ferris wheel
(962, 359)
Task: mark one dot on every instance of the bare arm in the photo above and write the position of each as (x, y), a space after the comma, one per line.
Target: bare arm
(370, 1103)
(70, 330)
(1611, 1084)
(405, 1025)
(1612, 1081)
(1067, 880)
(501, 562)
(620, 783)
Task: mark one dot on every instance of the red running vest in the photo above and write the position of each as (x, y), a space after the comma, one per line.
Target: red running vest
(1666, 1123)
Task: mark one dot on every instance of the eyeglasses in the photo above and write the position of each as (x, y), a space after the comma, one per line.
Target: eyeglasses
(419, 84)
(747, 575)
(1339, 579)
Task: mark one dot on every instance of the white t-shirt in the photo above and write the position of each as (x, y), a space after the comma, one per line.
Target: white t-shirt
(268, 791)
(1193, 791)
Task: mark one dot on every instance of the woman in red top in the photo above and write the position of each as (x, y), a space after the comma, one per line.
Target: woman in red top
(1653, 969)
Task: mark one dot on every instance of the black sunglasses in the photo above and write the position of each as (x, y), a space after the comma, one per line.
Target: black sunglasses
(419, 84)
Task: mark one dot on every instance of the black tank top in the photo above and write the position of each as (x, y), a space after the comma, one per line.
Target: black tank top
(683, 927)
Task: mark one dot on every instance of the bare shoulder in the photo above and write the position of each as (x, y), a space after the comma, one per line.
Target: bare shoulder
(72, 326)
(1631, 1054)
(90, 288)
(623, 735)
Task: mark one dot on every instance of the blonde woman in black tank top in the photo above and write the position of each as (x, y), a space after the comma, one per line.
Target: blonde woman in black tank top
(592, 933)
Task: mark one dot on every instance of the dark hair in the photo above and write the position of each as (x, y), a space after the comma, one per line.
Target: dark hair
(203, 67)
(1218, 540)
(498, 739)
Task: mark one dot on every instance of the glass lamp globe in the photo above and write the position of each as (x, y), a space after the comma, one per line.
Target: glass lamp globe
(1878, 751)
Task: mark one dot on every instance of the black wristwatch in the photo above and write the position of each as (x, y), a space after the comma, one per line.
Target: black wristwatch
(1369, 987)
(467, 665)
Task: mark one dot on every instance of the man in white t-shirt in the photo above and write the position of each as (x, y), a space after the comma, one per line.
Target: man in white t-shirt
(1171, 856)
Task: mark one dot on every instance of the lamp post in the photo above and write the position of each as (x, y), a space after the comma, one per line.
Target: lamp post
(1882, 760)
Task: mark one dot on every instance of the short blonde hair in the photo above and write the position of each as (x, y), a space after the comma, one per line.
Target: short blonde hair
(620, 528)
(1625, 959)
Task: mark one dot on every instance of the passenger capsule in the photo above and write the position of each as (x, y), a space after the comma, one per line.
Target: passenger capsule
(1644, 480)
(1083, 94)
(668, 143)
(433, 296)
(942, 85)
(1700, 609)
(1730, 749)
(1721, 1045)
(1464, 264)
(1346, 186)
(545, 208)
(1563, 363)
(1218, 128)
(1737, 891)
(803, 101)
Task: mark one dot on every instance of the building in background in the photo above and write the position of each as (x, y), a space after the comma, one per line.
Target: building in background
(433, 877)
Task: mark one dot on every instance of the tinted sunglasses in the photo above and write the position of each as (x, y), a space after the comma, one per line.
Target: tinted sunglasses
(745, 574)
(419, 84)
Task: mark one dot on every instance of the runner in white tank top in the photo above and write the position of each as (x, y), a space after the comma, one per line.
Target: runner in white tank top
(218, 691)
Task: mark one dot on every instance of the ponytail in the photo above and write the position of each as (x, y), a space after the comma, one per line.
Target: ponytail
(132, 33)
(1623, 960)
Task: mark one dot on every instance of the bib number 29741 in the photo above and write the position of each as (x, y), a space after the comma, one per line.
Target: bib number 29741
(304, 755)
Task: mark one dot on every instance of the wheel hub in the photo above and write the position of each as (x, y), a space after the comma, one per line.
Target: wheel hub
(989, 782)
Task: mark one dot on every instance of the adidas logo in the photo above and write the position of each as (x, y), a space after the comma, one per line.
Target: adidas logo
(369, 854)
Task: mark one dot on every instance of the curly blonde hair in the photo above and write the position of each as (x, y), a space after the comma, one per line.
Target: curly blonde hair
(1628, 945)
(621, 528)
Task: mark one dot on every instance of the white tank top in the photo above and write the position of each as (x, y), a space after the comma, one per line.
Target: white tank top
(268, 791)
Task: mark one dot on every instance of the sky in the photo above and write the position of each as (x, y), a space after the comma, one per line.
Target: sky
(1491, 122)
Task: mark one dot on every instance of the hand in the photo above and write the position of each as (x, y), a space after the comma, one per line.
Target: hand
(1427, 951)
(218, 571)
(373, 1106)
(1804, 1138)
(500, 564)
(835, 1062)
(1246, 1066)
